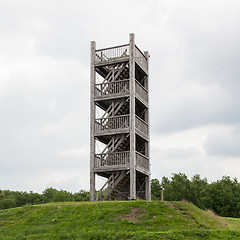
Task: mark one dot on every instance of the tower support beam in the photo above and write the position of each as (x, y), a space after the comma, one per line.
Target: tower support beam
(132, 119)
(92, 122)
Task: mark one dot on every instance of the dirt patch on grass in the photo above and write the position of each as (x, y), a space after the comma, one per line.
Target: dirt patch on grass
(175, 208)
(170, 205)
(133, 215)
(184, 213)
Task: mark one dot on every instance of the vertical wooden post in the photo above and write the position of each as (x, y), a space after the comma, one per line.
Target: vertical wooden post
(132, 119)
(148, 181)
(92, 122)
(148, 188)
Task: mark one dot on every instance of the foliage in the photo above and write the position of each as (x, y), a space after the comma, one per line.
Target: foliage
(223, 197)
(197, 186)
(156, 189)
(10, 199)
(178, 188)
(113, 220)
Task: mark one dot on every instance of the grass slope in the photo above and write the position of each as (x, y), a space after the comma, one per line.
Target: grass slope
(115, 220)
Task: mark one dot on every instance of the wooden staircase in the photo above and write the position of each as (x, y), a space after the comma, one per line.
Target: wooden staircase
(124, 109)
(113, 185)
(124, 143)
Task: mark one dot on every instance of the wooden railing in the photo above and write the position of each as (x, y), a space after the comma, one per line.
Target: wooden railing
(142, 161)
(119, 52)
(141, 125)
(111, 54)
(141, 91)
(117, 122)
(140, 58)
(114, 87)
(111, 159)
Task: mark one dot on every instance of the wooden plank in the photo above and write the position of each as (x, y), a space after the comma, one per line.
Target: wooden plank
(132, 119)
(112, 168)
(112, 132)
(119, 46)
(112, 96)
(141, 101)
(148, 181)
(142, 170)
(92, 123)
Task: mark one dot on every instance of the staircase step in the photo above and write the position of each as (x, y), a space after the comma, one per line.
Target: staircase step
(121, 180)
(118, 187)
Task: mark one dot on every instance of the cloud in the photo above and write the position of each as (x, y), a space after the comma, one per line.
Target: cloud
(195, 80)
(44, 86)
(191, 161)
(185, 151)
(224, 142)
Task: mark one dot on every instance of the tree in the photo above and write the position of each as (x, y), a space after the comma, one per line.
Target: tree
(197, 187)
(155, 189)
(176, 189)
(223, 197)
(49, 194)
(53, 195)
(81, 196)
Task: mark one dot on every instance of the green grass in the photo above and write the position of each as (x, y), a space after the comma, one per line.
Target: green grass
(115, 220)
(234, 223)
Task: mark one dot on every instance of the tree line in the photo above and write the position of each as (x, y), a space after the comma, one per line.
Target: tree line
(10, 199)
(222, 196)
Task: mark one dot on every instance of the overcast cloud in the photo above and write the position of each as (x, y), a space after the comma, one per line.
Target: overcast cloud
(44, 86)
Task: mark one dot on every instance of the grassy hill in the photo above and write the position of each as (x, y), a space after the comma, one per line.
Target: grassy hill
(115, 220)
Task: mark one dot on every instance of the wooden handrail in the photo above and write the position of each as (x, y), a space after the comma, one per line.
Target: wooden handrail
(141, 125)
(115, 81)
(119, 46)
(115, 87)
(126, 115)
(115, 122)
(142, 160)
(112, 158)
(112, 53)
(142, 120)
(140, 52)
(141, 58)
(141, 85)
(141, 91)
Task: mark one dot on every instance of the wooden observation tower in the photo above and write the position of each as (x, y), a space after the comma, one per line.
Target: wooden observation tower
(119, 141)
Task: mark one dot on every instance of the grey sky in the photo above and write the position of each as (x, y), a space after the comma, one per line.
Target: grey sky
(44, 86)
